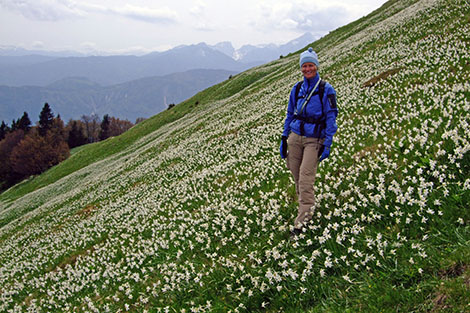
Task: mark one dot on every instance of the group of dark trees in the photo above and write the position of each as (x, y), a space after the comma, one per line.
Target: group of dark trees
(90, 129)
(27, 150)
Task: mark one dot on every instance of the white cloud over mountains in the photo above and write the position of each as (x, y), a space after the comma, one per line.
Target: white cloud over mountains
(301, 16)
(56, 10)
(116, 25)
(199, 11)
(42, 10)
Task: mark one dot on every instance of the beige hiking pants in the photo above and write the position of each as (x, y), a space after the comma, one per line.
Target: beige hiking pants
(302, 161)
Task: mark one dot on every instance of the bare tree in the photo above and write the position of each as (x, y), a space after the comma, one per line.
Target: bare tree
(92, 127)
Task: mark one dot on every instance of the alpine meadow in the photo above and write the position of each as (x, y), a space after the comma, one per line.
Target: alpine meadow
(190, 210)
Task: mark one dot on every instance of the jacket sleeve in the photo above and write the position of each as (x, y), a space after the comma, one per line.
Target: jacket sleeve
(331, 111)
(290, 111)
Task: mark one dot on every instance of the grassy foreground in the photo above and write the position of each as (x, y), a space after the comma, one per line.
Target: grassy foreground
(190, 210)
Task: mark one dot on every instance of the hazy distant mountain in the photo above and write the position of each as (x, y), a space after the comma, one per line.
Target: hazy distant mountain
(265, 53)
(110, 70)
(297, 44)
(18, 52)
(14, 61)
(73, 97)
(20, 69)
(260, 54)
(225, 47)
(125, 86)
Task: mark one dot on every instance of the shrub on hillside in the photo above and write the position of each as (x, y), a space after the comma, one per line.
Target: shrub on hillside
(23, 155)
(11, 140)
(35, 154)
(118, 126)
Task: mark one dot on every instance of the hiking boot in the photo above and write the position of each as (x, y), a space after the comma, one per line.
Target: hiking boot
(294, 233)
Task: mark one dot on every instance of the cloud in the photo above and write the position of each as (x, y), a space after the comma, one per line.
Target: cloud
(322, 20)
(205, 26)
(42, 10)
(300, 16)
(289, 24)
(88, 46)
(37, 44)
(54, 10)
(163, 15)
(198, 9)
(203, 22)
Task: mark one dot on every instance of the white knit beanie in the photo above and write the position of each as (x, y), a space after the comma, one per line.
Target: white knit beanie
(309, 56)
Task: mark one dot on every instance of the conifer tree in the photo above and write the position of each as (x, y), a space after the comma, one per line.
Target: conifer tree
(76, 136)
(104, 131)
(4, 129)
(58, 129)
(14, 125)
(24, 123)
(46, 118)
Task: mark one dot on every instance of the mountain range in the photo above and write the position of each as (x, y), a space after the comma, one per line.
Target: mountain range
(76, 96)
(95, 84)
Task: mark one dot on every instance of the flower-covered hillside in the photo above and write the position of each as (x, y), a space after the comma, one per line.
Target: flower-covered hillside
(195, 215)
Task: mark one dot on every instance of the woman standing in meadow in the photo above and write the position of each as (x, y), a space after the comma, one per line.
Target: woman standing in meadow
(308, 132)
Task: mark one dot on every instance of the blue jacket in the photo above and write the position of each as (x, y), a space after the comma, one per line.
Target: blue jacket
(313, 109)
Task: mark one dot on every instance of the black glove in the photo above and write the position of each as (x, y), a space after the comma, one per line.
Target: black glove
(283, 148)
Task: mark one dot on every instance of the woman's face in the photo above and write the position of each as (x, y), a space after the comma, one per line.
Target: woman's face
(309, 70)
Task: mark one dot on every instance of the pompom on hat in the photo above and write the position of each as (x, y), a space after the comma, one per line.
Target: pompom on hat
(309, 56)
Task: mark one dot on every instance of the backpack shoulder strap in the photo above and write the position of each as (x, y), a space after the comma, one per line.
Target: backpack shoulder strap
(321, 90)
(297, 90)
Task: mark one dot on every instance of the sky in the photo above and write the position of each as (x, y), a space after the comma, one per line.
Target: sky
(127, 26)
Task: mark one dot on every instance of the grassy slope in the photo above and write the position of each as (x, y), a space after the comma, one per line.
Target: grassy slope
(196, 212)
